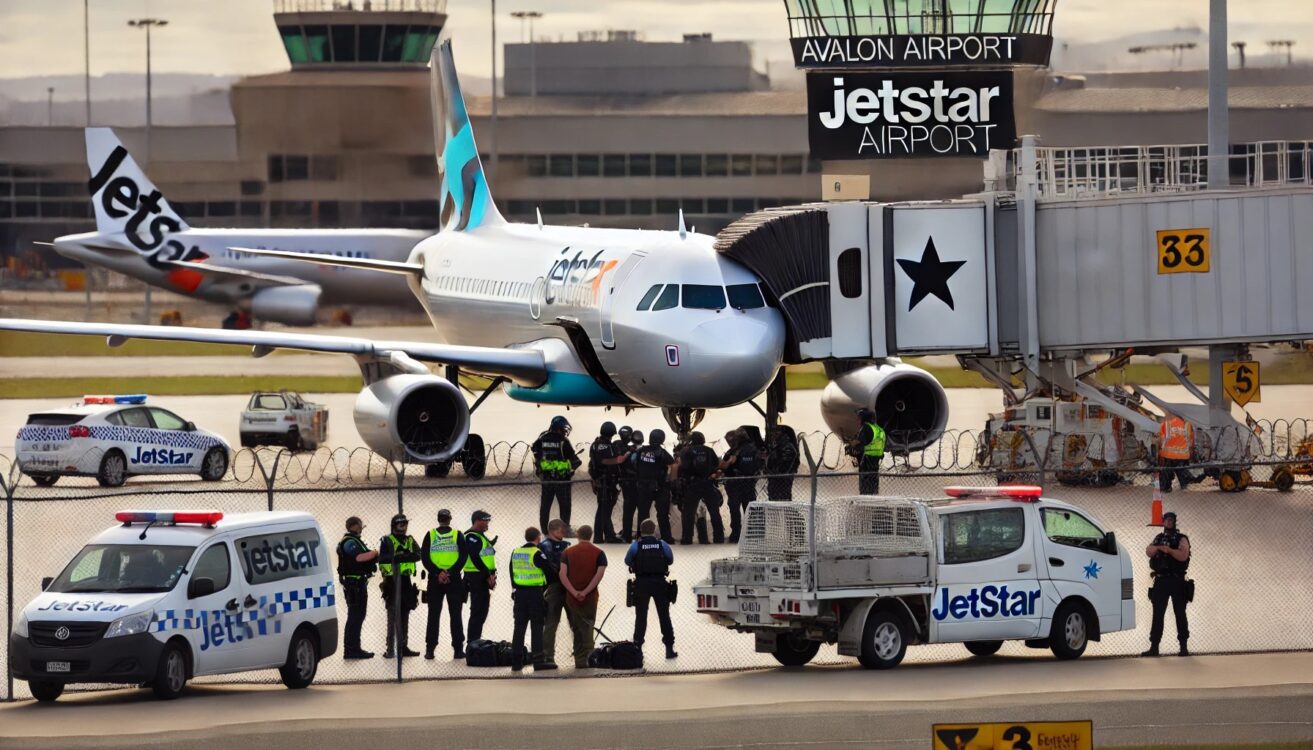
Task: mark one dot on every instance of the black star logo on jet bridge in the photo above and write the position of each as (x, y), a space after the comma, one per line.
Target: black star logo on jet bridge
(930, 275)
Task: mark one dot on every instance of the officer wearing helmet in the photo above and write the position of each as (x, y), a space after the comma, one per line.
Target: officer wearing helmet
(699, 466)
(604, 460)
(398, 555)
(654, 471)
(1169, 559)
(630, 441)
(868, 451)
(355, 565)
(554, 461)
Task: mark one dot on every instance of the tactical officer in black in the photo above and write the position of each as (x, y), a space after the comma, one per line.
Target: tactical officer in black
(554, 462)
(654, 471)
(604, 467)
(741, 465)
(398, 554)
(1169, 559)
(649, 559)
(355, 566)
(698, 467)
(631, 442)
(781, 462)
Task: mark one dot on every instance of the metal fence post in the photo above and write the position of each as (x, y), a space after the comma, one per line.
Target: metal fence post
(814, 470)
(268, 476)
(9, 484)
(397, 629)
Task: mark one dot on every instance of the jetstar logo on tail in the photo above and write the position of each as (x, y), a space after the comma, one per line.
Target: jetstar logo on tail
(577, 280)
(147, 227)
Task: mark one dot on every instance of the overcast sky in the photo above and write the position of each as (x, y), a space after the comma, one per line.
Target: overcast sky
(44, 37)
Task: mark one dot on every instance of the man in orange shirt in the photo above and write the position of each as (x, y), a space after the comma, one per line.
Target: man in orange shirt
(1175, 444)
(582, 568)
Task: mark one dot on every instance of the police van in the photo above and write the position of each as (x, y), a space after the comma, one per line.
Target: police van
(875, 574)
(113, 437)
(165, 596)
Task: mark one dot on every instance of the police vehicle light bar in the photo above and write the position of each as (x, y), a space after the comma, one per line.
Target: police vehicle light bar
(135, 398)
(203, 517)
(1020, 492)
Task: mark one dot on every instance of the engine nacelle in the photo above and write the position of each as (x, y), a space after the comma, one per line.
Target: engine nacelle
(292, 305)
(413, 418)
(908, 403)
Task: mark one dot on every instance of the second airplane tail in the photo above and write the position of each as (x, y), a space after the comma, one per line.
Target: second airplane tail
(123, 197)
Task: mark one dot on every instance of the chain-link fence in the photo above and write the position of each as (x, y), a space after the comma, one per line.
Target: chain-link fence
(1254, 590)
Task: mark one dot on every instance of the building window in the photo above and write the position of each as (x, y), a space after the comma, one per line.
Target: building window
(394, 40)
(666, 165)
(537, 166)
(294, 43)
(316, 42)
(590, 207)
(791, 164)
(370, 37)
(275, 168)
(613, 165)
(693, 205)
(718, 205)
(558, 207)
(640, 165)
(296, 168)
(767, 164)
(717, 165)
(815, 166)
(614, 207)
(741, 165)
(519, 208)
(588, 165)
(330, 214)
(562, 165)
(741, 205)
(420, 209)
(252, 187)
(667, 206)
(640, 206)
(221, 208)
(690, 165)
(323, 168)
(422, 166)
(344, 44)
(252, 209)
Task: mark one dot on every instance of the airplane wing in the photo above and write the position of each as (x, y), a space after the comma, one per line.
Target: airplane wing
(523, 366)
(325, 259)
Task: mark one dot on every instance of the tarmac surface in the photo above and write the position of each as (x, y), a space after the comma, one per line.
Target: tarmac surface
(1209, 699)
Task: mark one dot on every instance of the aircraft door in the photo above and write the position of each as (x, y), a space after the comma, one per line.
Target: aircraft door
(850, 294)
(608, 296)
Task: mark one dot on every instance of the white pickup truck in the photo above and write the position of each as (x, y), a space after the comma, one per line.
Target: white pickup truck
(877, 574)
(283, 418)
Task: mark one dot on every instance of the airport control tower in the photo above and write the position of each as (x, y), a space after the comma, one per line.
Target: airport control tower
(323, 34)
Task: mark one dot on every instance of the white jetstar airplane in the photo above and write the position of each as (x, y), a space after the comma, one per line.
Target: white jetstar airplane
(139, 234)
(561, 315)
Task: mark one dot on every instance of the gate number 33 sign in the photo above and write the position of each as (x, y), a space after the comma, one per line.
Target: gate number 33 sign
(1184, 250)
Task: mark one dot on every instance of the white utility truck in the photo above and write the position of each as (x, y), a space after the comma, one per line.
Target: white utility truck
(283, 418)
(877, 574)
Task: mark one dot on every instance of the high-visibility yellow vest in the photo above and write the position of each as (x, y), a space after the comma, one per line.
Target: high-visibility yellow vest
(398, 545)
(444, 549)
(875, 448)
(523, 571)
(486, 552)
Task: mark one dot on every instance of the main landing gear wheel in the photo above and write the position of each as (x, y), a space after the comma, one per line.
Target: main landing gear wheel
(439, 470)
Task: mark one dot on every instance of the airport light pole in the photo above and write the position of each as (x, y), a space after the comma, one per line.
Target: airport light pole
(147, 24)
(86, 53)
(1219, 130)
(50, 106)
(533, 46)
(492, 134)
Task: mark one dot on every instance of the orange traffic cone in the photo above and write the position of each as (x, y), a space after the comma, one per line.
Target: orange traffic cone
(1157, 509)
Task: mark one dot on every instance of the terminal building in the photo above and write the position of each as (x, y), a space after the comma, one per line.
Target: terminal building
(606, 130)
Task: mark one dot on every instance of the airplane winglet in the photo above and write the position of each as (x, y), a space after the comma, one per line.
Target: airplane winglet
(539, 211)
(320, 259)
(683, 230)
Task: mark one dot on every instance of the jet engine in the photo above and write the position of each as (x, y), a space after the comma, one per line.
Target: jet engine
(908, 403)
(292, 305)
(413, 418)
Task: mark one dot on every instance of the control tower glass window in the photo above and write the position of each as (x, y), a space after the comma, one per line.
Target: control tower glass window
(371, 38)
(394, 41)
(294, 42)
(316, 42)
(344, 43)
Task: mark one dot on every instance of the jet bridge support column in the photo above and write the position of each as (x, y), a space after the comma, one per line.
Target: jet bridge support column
(1028, 276)
(1219, 404)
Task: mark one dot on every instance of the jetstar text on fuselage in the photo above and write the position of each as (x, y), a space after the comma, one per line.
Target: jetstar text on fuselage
(577, 280)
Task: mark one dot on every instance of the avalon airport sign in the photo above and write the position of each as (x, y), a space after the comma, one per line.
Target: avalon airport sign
(921, 50)
(897, 114)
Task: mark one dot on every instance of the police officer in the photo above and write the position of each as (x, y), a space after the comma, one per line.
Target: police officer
(604, 467)
(444, 559)
(869, 449)
(1169, 559)
(781, 462)
(654, 471)
(355, 566)
(741, 465)
(529, 571)
(480, 571)
(649, 559)
(398, 554)
(698, 466)
(629, 484)
(553, 544)
(554, 463)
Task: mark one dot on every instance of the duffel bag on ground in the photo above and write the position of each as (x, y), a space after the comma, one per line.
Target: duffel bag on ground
(504, 652)
(481, 653)
(620, 655)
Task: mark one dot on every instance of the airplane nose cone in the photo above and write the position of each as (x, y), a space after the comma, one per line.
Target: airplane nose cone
(738, 354)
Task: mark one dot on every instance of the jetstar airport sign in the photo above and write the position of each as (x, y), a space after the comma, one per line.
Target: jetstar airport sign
(909, 114)
(922, 50)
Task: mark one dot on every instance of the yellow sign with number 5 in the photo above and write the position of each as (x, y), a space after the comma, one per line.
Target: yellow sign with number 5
(1184, 250)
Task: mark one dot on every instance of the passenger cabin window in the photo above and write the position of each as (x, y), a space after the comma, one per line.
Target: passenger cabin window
(1071, 528)
(215, 565)
(648, 298)
(668, 299)
(745, 296)
(704, 297)
(975, 535)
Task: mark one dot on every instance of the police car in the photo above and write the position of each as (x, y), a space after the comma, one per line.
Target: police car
(114, 437)
(169, 595)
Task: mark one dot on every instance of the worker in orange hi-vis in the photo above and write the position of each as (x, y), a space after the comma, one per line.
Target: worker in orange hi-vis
(1175, 443)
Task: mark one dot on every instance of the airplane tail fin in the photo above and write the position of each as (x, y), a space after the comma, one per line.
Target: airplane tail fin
(466, 198)
(123, 197)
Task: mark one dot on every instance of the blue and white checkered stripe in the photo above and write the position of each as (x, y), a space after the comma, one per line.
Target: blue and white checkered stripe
(262, 618)
(116, 433)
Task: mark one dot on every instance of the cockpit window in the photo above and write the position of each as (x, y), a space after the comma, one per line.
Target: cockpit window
(704, 297)
(745, 296)
(646, 302)
(668, 299)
